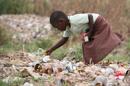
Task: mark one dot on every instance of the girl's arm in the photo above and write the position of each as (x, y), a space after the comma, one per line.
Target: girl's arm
(57, 45)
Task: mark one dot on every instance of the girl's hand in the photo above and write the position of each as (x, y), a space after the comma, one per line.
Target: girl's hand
(82, 36)
(48, 52)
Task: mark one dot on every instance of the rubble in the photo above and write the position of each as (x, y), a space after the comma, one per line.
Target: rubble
(27, 26)
(5, 71)
(28, 84)
(72, 73)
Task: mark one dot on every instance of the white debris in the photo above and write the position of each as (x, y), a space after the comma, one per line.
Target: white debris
(28, 84)
(114, 66)
(70, 67)
(109, 71)
(100, 81)
(46, 58)
(32, 64)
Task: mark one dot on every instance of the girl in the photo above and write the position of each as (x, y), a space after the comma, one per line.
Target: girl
(98, 38)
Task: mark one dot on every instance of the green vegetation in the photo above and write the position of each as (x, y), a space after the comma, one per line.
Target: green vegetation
(44, 43)
(59, 53)
(5, 40)
(24, 6)
(128, 45)
(119, 10)
(78, 53)
(15, 6)
(11, 46)
(63, 52)
(3, 83)
(4, 36)
(8, 46)
(117, 58)
(14, 83)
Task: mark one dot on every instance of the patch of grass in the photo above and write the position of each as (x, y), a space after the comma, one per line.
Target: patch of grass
(11, 46)
(5, 40)
(16, 6)
(30, 47)
(117, 58)
(4, 35)
(38, 81)
(17, 82)
(59, 53)
(3, 83)
(66, 84)
(14, 80)
(128, 45)
(78, 53)
(44, 43)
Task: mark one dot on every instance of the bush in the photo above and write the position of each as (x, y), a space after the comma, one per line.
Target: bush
(15, 6)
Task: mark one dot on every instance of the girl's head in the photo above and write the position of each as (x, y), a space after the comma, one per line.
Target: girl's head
(59, 20)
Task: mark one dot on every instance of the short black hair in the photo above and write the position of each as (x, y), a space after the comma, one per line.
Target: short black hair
(56, 15)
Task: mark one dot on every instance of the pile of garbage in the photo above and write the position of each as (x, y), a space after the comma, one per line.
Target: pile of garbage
(79, 74)
(64, 72)
(27, 26)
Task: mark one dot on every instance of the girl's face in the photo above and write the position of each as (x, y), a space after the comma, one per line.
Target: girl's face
(61, 24)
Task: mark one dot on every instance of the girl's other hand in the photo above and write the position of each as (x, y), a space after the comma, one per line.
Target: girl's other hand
(82, 36)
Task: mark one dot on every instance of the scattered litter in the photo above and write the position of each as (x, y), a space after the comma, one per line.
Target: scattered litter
(28, 84)
(56, 72)
(127, 77)
(100, 81)
(109, 71)
(25, 73)
(70, 67)
(32, 64)
(46, 58)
